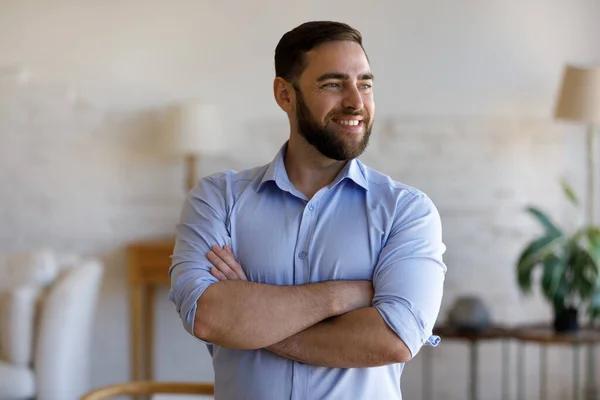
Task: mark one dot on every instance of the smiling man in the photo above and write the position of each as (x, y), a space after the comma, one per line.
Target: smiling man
(314, 276)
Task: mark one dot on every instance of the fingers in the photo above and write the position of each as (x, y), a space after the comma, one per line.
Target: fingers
(226, 254)
(224, 260)
(218, 274)
(221, 265)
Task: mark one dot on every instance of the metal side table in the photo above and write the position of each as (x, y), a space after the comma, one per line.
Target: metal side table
(544, 335)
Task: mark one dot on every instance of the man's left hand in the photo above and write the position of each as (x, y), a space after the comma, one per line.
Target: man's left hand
(225, 267)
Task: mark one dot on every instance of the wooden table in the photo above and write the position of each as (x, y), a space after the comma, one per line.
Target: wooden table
(148, 267)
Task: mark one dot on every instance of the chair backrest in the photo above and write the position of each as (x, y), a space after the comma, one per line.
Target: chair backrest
(149, 387)
(46, 319)
(64, 333)
(23, 278)
(18, 311)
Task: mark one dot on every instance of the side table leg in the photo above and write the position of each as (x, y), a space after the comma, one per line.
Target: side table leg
(473, 369)
(135, 329)
(543, 370)
(136, 299)
(505, 367)
(592, 390)
(576, 372)
(427, 378)
(149, 333)
(520, 373)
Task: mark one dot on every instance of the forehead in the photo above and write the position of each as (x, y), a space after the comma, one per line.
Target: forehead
(336, 57)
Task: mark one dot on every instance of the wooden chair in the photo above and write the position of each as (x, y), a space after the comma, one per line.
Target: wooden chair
(148, 388)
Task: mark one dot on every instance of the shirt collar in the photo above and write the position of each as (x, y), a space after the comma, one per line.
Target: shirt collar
(276, 172)
(354, 170)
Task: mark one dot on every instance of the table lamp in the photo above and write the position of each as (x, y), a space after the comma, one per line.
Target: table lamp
(195, 130)
(579, 100)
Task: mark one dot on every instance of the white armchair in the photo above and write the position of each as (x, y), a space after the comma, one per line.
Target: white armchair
(47, 308)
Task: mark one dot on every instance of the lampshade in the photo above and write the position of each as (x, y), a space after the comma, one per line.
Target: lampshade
(195, 128)
(579, 98)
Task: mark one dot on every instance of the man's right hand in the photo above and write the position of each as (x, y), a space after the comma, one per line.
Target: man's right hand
(225, 267)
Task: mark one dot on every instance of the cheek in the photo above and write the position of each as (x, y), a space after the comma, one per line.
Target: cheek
(324, 112)
(323, 107)
(370, 107)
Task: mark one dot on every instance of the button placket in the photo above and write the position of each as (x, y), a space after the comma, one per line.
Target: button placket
(301, 276)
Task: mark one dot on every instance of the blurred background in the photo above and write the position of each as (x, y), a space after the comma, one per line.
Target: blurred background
(465, 94)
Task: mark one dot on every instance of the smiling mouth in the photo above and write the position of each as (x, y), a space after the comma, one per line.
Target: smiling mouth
(348, 122)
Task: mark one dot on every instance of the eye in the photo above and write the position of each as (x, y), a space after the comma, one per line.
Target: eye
(365, 86)
(332, 85)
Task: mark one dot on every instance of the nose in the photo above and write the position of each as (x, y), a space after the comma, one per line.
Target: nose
(353, 99)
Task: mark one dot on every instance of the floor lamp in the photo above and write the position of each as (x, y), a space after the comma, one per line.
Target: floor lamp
(195, 130)
(579, 100)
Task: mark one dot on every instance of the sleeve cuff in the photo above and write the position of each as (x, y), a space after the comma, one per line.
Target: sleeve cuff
(188, 302)
(189, 318)
(407, 326)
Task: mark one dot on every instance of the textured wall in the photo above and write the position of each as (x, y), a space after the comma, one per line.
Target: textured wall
(464, 95)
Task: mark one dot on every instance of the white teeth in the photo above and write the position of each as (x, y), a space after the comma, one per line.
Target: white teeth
(348, 122)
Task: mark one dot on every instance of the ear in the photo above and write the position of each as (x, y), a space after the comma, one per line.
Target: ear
(284, 94)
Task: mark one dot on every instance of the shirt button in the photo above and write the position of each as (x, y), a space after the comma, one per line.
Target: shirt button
(302, 255)
(311, 207)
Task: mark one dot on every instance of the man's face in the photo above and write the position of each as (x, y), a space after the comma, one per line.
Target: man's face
(334, 100)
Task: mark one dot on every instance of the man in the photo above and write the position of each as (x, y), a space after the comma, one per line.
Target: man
(313, 277)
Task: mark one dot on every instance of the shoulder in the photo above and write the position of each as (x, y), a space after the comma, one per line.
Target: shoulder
(411, 211)
(381, 184)
(404, 204)
(231, 176)
(218, 191)
(227, 181)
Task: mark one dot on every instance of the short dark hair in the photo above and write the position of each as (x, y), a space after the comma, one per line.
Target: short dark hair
(290, 51)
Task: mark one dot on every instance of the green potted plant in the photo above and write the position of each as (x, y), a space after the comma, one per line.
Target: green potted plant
(570, 267)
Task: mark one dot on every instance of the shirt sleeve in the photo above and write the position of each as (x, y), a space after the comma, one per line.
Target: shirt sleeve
(203, 223)
(409, 276)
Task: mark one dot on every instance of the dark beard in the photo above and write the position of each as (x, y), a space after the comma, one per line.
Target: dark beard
(324, 139)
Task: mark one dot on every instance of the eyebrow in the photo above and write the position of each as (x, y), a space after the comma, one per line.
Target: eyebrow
(344, 77)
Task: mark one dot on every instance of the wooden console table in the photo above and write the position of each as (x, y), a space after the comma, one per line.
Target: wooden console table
(148, 267)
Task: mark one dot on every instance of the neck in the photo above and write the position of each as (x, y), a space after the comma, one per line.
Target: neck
(307, 169)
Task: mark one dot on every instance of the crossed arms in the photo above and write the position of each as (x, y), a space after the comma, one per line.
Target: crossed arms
(296, 321)
(341, 324)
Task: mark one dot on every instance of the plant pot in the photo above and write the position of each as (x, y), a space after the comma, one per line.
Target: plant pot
(566, 321)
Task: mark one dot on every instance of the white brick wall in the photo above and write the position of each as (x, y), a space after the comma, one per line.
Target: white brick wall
(464, 95)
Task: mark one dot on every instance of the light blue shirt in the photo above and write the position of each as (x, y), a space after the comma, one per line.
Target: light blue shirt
(362, 226)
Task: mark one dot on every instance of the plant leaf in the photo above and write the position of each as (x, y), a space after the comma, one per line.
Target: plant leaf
(594, 305)
(593, 236)
(554, 269)
(534, 254)
(562, 293)
(585, 273)
(544, 220)
(569, 192)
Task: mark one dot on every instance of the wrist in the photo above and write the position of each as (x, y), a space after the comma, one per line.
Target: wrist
(350, 295)
(340, 295)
